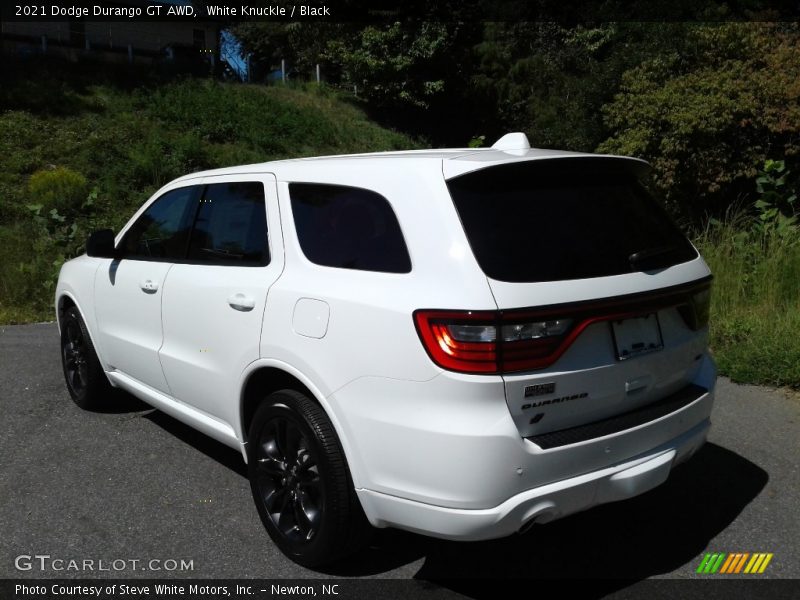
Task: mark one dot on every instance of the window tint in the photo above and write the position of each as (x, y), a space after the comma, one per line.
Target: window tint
(552, 220)
(347, 227)
(162, 232)
(231, 225)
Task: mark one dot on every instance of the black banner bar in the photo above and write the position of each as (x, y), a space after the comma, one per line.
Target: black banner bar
(710, 588)
(376, 11)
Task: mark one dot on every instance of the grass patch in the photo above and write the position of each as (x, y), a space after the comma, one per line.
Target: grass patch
(125, 133)
(755, 306)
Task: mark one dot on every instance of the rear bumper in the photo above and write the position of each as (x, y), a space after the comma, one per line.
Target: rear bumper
(545, 503)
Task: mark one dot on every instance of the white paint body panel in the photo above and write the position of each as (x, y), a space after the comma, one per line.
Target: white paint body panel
(207, 342)
(129, 318)
(429, 450)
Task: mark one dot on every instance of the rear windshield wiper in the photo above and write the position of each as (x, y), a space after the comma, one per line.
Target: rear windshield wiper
(652, 258)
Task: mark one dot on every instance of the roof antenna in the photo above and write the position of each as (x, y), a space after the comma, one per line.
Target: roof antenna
(512, 141)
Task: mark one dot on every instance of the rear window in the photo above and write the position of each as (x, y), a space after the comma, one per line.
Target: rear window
(553, 220)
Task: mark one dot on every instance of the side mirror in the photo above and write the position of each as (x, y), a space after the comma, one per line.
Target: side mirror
(101, 244)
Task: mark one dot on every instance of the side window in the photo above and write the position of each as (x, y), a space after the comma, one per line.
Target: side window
(349, 228)
(162, 232)
(231, 225)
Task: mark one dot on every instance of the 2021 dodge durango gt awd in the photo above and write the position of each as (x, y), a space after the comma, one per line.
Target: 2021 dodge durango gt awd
(454, 342)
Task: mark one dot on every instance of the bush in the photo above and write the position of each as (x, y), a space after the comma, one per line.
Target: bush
(707, 115)
(59, 189)
(755, 308)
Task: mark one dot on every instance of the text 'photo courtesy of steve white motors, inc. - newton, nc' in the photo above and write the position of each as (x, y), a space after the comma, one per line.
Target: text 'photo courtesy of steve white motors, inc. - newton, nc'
(75, 11)
(194, 590)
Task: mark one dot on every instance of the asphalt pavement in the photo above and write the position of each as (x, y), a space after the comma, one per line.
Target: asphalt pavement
(137, 486)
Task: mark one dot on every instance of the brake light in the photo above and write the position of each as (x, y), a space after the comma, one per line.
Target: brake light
(464, 341)
(695, 312)
(497, 342)
(467, 341)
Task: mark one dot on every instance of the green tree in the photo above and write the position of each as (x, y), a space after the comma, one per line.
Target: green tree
(709, 116)
(552, 81)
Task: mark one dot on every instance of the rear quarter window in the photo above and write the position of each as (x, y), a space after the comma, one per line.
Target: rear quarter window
(560, 219)
(348, 228)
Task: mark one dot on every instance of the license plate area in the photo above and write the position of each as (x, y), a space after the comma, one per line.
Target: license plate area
(636, 336)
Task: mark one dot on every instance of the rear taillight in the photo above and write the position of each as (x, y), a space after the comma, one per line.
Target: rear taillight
(460, 341)
(468, 341)
(497, 342)
(695, 311)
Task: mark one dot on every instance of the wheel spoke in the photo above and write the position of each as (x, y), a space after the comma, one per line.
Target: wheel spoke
(286, 522)
(307, 514)
(268, 448)
(75, 378)
(69, 357)
(293, 438)
(83, 372)
(311, 484)
(280, 438)
(275, 499)
(74, 334)
(271, 467)
(301, 519)
(305, 461)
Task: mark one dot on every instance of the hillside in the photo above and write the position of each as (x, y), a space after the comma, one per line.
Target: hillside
(82, 149)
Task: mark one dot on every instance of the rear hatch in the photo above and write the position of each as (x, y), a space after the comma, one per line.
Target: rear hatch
(602, 300)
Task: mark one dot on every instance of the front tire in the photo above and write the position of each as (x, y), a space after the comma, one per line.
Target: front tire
(86, 382)
(301, 483)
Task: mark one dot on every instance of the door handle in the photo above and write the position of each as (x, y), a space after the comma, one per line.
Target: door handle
(149, 286)
(241, 302)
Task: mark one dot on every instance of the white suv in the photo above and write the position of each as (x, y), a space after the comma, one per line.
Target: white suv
(459, 343)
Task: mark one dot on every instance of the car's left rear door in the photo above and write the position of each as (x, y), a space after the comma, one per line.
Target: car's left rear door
(213, 303)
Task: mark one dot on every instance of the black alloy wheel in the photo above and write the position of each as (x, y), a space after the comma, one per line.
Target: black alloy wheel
(288, 479)
(301, 482)
(86, 382)
(74, 355)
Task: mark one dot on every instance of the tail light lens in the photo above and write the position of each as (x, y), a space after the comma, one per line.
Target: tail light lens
(497, 342)
(468, 342)
(464, 341)
(695, 312)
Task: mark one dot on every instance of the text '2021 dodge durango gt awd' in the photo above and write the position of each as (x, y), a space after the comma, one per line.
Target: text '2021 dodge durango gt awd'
(454, 342)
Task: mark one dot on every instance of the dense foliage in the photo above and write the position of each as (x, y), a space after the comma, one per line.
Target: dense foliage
(708, 117)
(81, 149)
(715, 107)
(707, 104)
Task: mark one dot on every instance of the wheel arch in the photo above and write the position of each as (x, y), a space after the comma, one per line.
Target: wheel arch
(268, 376)
(260, 383)
(64, 303)
(66, 300)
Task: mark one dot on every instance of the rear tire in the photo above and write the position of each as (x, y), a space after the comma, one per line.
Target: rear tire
(86, 382)
(301, 483)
